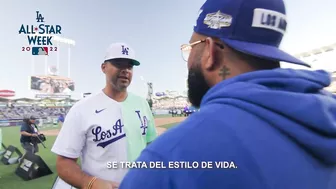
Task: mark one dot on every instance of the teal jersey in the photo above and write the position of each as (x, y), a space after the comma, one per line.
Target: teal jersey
(138, 123)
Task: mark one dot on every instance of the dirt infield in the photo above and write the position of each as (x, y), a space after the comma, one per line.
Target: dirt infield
(164, 121)
(158, 122)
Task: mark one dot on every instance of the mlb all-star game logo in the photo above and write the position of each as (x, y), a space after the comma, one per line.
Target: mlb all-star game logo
(39, 36)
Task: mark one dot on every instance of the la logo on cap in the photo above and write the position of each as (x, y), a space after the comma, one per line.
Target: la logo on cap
(124, 50)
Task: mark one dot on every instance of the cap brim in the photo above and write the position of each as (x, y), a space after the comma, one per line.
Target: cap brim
(263, 51)
(134, 62)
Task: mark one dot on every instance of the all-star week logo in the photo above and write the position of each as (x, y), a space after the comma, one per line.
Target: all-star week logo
(39, 36)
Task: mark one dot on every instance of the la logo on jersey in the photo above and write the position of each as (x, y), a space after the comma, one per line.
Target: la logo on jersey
(124, 50)
(143, 121)
(105, 138)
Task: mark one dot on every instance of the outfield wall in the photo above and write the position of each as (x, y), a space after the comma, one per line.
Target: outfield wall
(17, 122)
(11, 122)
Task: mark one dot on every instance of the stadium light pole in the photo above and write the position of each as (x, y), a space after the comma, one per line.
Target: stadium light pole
(148, 84)
(143, 81)
(59, 40)
(45, 65)
(33, 65)
(58, 53)
(70, 43)
(69, 54)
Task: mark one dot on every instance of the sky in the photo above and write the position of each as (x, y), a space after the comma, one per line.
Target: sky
(154, 29)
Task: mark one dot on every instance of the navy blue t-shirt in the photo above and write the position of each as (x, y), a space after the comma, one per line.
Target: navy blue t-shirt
(28, 129)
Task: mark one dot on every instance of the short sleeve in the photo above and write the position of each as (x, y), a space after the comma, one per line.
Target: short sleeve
(151, 132)
(24, 128)
(72, 136)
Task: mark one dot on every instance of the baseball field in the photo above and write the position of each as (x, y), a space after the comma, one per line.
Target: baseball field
(11, 136)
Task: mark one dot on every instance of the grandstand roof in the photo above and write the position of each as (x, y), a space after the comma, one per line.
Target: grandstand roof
(48, 99)
(24, 99)
(316, 51)
(58, 99)
(3, 99)
(7, 99)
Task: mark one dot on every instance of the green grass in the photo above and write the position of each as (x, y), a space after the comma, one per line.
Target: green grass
(168, 126)
(8, 178)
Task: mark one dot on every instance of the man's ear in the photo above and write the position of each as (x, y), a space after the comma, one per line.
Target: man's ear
(103, 67)
(209, 54)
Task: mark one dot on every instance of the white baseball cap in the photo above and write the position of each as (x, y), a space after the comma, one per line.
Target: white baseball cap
(121, 50)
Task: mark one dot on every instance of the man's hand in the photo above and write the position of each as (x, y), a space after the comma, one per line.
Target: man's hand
(34, 135)
(103, 184)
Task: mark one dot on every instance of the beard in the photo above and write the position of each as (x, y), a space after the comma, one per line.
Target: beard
(119, 84)
(197, 86)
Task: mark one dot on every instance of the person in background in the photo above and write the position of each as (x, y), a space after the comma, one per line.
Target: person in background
(259, 126)
(113, 125)
(186, 110)
(66, 88)
(28, 134)
(60, 120)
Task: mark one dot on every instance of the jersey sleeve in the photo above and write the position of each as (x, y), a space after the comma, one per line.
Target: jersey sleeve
(152, 133)
(71, 138)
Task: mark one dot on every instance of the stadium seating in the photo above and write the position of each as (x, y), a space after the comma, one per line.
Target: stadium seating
(37, 111)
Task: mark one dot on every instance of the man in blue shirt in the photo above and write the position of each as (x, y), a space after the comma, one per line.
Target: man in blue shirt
(60, 120)
(271, 128)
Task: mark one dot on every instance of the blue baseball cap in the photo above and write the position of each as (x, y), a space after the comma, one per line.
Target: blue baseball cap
(254, 27)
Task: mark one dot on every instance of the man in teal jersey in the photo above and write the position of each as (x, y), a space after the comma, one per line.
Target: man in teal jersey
(112, 125)
(137, 116)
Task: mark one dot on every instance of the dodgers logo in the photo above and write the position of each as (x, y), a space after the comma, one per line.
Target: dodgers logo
(143, 121)
(124, 50)
(111, 135)
(40, 36)
(39, 17)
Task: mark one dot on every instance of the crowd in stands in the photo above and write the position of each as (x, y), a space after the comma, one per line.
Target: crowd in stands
(170, 103)
(15, 112)
(42, 112)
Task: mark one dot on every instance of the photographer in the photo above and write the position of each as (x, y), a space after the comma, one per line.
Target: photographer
(29, 135)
